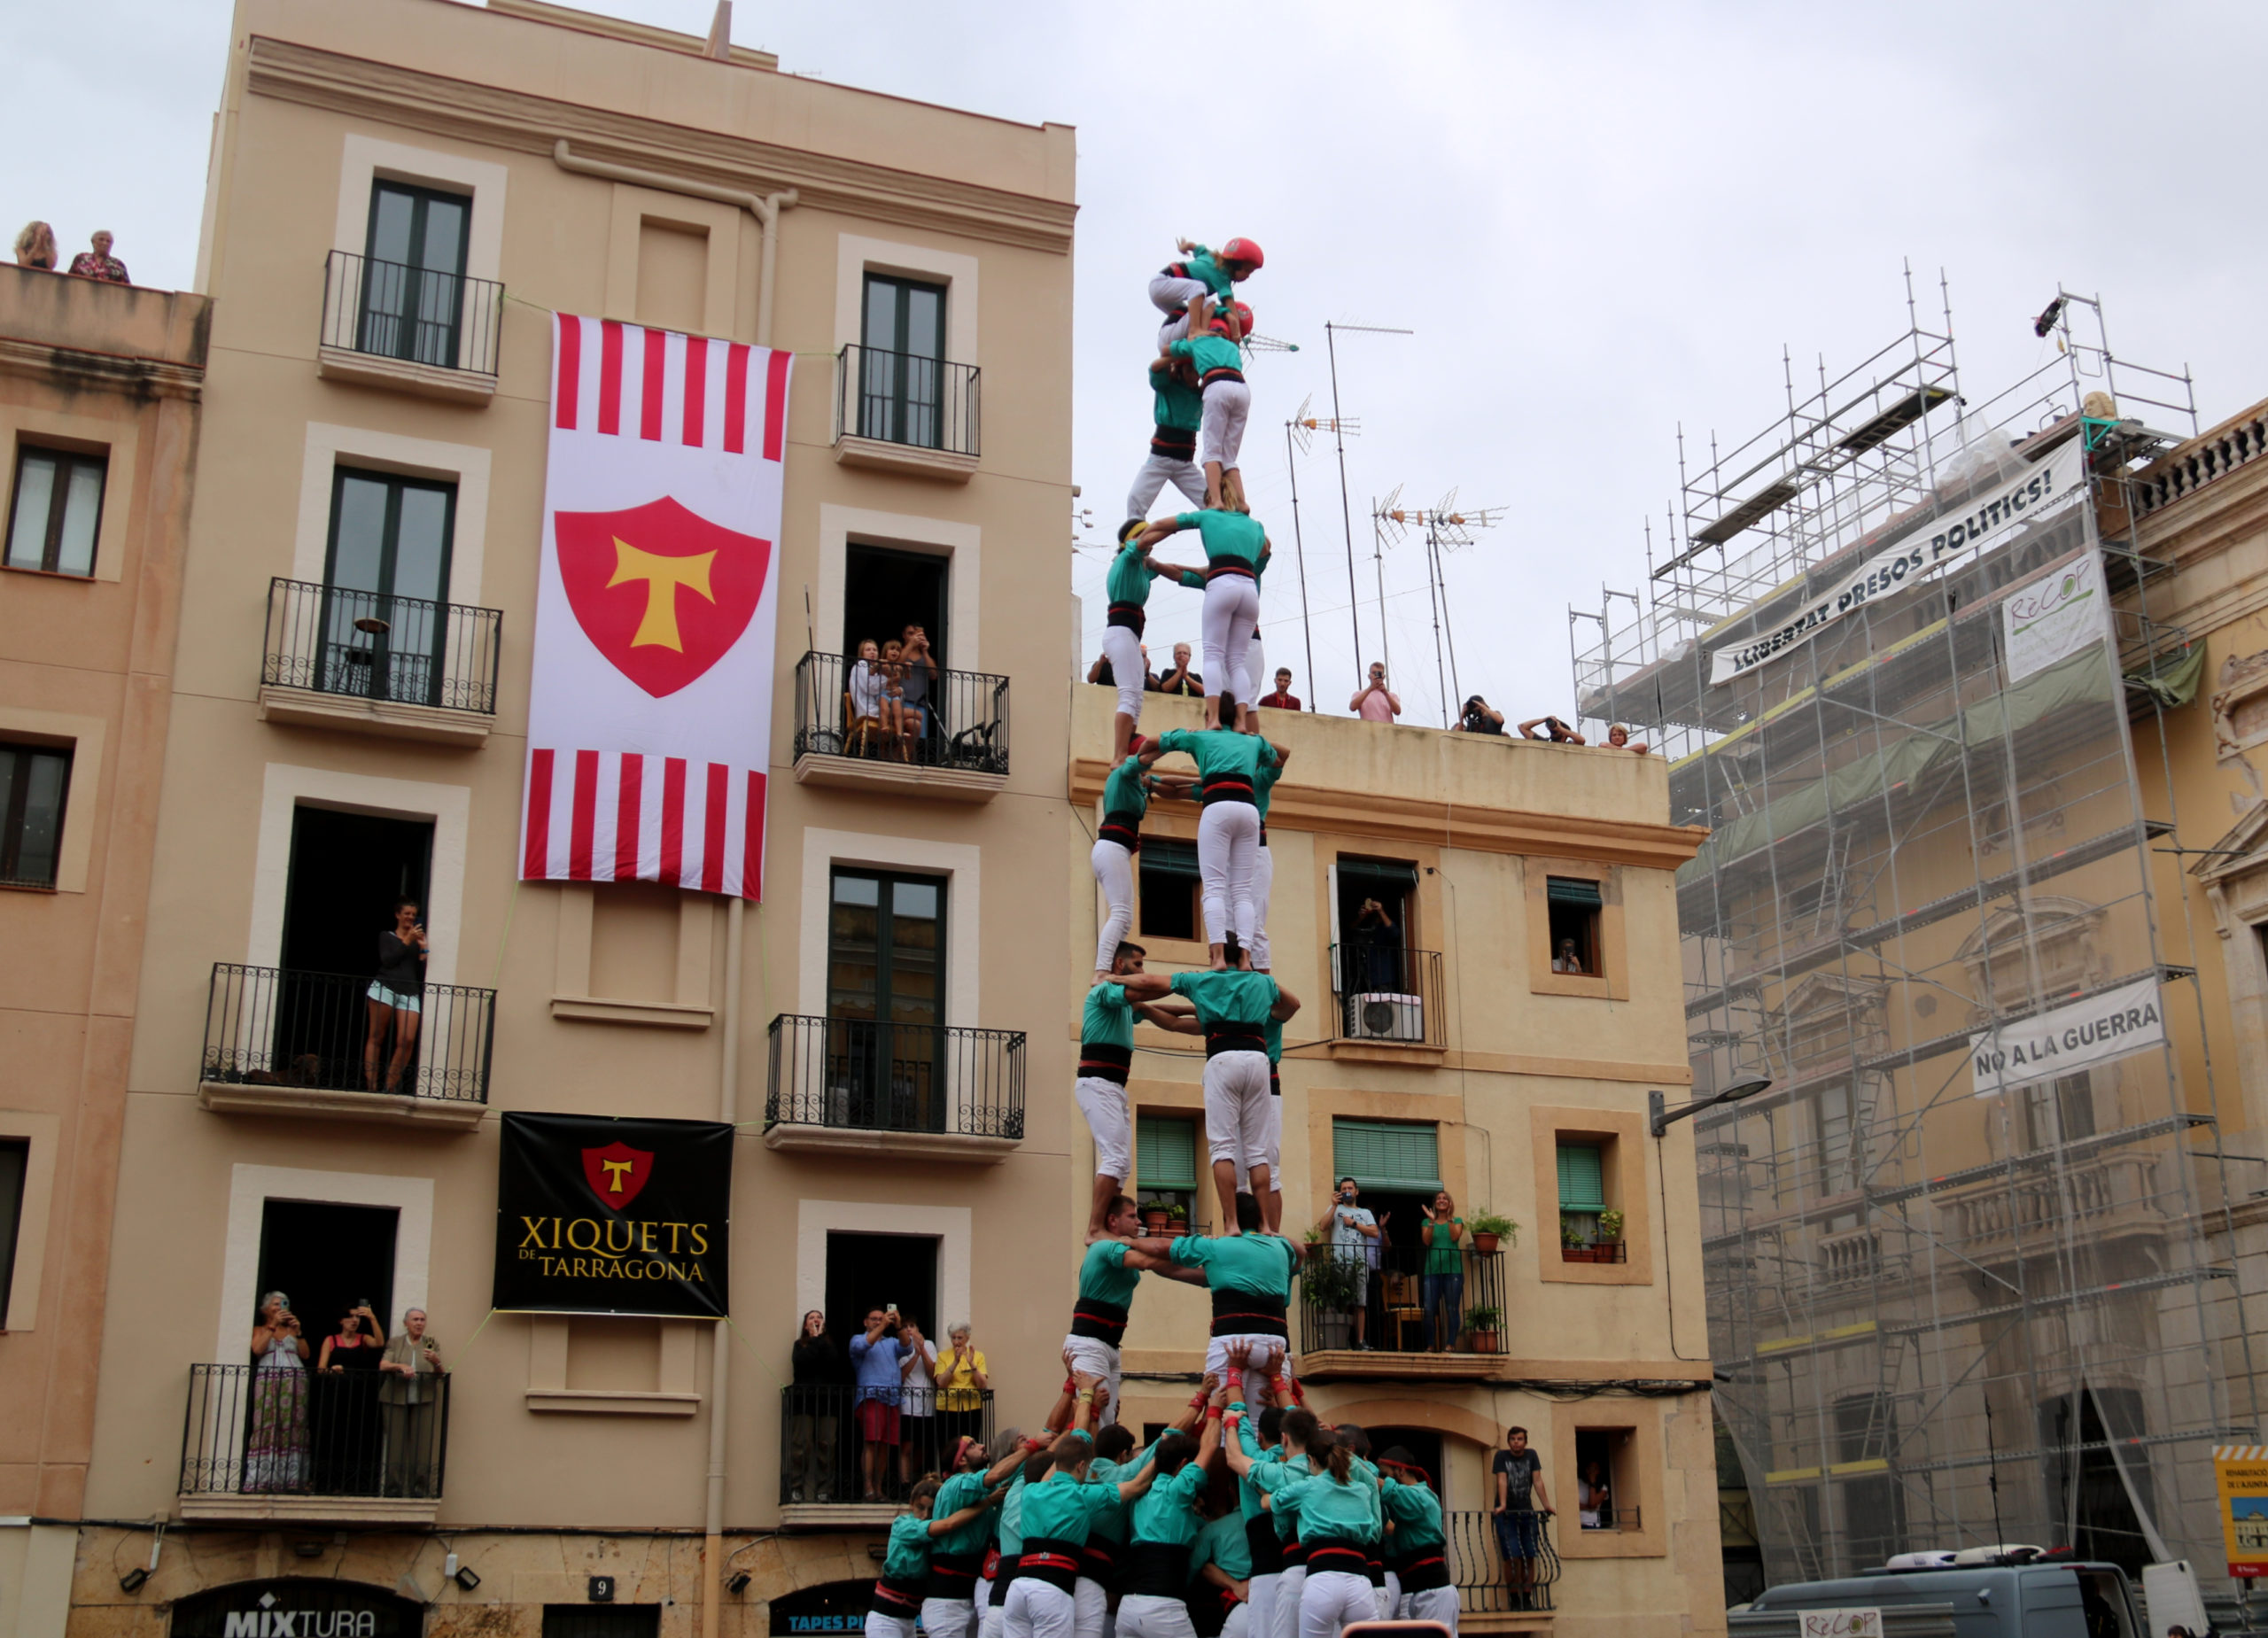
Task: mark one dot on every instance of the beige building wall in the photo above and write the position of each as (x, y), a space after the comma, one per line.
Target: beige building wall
(607, 999)
(114, 373)
(1524, 1056)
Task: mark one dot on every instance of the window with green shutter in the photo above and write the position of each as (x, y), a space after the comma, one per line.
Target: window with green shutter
(1401, 1157)
(1165, 1162)
(1571, 906)
(1582, 1177)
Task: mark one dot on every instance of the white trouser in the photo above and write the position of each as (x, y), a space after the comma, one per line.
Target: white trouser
(1114, 868)
(1104, 1103)
(995, 1618)
(1259, 1607)
(1154, 475)
(1257, 682)
(1098, 1358)
(1171, 296)
(1219, 436)
(1381, 1604)
(881, 1626)
(1272, 1148)
(1435, 1604)
(1237, 1622)
(1228, 836)
(1232, 610)
(1263, 887)
(1090, 1608)
(1393, 1597)
(1236, 1109)
(1035, 1609)
(1330, 1600)
(984, 1599)
(947, 1617)
(1289, 1586)
(1146, 1615)
(1269, 1357)
(1122, 646)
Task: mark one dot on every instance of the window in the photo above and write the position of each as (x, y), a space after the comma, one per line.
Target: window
(385, 577)
(1165, 1161)
(885, 991)
(1574, 907)
(1601, 1468)
(1400, 1157)
(1582, 1195)
(1170, 889)
(1874, 1511)
(901, 366)
(56, 512)
(15, 1164)
(33, 781)
(1374, 900)
(2058, 1111)
(413, 275)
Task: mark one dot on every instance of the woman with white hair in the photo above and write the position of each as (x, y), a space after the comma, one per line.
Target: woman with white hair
(275, 1447)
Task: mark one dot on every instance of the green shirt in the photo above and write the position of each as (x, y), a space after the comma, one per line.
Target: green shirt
(1229, 537)
(1443, 1257)
(1209, 353)
(1264, 782)
(1260, 1265)
(1167, 1511)
(1104, 1275)
(907, 1556)
(1327, 1510)
(1220, 751)
(1110, 1523)
(961, 1490)
(1062, 1510)
(1275, 1478)
(1107, 1021)
(1230, 998)
(1010, 1518)
(1129, 580)
(1126, 789)
(1274, 1034)
(1199, 264)
(1417, 1514)
(1222, 1542)
(1177, 404)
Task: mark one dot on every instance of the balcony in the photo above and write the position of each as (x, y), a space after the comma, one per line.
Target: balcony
(900, 412)
(917, 1092)
(822, 1484)
(290, 1447)
(2108, 1203)
(403, 667)
(411, 329)
(1488, 1601)
(957, 750)
(1388, 1005)
(1337, 1283)
(292, 1043)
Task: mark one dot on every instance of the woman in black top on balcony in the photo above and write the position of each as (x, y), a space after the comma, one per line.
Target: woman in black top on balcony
(920, 670)
(395, 996)
(814, 1409)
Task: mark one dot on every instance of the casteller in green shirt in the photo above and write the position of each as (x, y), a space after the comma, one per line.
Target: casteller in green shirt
(1229, 537)
(1259, 1265)
(1211, 354)
(1231, 997)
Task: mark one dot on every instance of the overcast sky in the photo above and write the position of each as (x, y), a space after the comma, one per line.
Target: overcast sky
(1600, 221)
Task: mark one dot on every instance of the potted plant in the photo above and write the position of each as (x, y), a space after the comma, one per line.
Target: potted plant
(1176, 1219)
(1318, 1247)
(1482, 1326)
(1486, 1228)
(1610, 1226)
(1155, 1215)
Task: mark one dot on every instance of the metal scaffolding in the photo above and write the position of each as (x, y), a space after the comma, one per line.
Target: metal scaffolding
(1954, 1297)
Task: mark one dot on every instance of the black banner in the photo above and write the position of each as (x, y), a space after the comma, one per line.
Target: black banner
(613, 1216)
(296, 1607)
(830, 1607)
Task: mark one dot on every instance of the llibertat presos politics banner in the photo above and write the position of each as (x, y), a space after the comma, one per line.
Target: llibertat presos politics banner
(596, 1215)
(649, 714)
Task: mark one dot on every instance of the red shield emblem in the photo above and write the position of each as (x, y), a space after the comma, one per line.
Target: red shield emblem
(617, 1172)
(661, 591)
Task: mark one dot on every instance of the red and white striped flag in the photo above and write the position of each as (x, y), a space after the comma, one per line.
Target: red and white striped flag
(649, 716)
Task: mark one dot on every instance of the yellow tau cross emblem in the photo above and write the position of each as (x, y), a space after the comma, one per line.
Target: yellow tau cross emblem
(615, 1169)
(663, 576)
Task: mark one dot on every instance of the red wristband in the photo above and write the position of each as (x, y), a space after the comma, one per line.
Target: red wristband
(1213, 1413)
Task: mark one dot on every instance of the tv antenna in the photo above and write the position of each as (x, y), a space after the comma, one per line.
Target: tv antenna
(1346, 509)
(1269, 344)
(1298, 433)
(1448, 527)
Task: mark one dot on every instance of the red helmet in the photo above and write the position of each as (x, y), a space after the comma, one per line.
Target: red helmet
(1243, 250)
(1244, 318)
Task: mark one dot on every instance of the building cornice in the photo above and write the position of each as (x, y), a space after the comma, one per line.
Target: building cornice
(1451, 824)
(138, 376)
(518, 121)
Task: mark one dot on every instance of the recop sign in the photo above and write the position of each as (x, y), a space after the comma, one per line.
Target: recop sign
(2240, 1475)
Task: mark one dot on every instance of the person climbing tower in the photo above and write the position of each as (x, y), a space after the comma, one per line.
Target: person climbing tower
(1201, 279)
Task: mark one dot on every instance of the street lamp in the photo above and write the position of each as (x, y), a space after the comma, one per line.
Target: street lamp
(1660, 1117)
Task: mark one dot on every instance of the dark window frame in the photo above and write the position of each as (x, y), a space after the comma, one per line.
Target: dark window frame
(887, 879)
(18, 1170)
(1583, 921)
(901, 392)
(12, 812)
(1168, 862)
(382, 647)
(58, 510)
(410, 323)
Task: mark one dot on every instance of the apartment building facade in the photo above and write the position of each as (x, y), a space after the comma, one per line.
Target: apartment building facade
(99, 391)
(402, 196)
(1425, 886)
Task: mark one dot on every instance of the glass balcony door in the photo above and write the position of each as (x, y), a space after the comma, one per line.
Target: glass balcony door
(385, 617)
(885, 1002)
(413, 273)
(901, 371)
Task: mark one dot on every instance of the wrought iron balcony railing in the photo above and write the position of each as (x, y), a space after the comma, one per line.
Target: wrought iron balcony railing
(1502, 1563)
(961, 723)
(284, 1432)
(1386, 1289)
(903, 397)
(821, 1448)
(1387, 993)
(374, 646)
(272, 1026)
(855, 1075)
(419, 315)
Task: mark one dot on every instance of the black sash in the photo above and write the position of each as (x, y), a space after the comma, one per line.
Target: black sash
(1275, 1083)
(1099, 1560)
(1265, 1546)
(1424, 1572)
(1231, 565)
(1052, 1560)
(1295, 1554)
(899, 1598)
(1105, 1322)
(1225, 787)
(1156, 1570)
(1128, 615)
(1227, 372)
(1241, 1313)
(952, 1576)
(1374, 1567)
(1123, 827)
(1101, 1060)
(1343, 1556)
(1232, 1039)
(1174, 443)
(1263, 833)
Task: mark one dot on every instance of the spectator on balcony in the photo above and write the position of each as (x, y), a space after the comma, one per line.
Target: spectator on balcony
(820, 1375)
(410, 1397)
(1558, 731)
(35, 246)
(395, 997)
(1373, 702)
(1353, 1246)
(1567, 957)
(351, 1348)
(1377, 949)
(1618, 737)
(877, 1360)
(917, 1427)
(1442, 1287)
(1522, 1504)
(862, 701)
(919, 681)
(962, 1377)
(892, 668)
(343, 1415)
(1593, 1501)
(1180, 680)
(1479, 717)
(98, 263)
(276, 1444)
(1283, 699)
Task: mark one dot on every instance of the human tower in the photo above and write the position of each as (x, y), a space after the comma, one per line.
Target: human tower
(1077, 1532)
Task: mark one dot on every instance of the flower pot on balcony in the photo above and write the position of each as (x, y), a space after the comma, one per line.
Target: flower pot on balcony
(1156, 1222)
(1317, 1250)
(1484, 1242)
(1484, 1341)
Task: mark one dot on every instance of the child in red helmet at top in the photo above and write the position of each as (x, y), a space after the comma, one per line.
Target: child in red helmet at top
(1187, 291)
(1218, 359)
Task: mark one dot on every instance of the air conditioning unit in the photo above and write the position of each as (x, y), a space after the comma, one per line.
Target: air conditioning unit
(1380, 1016)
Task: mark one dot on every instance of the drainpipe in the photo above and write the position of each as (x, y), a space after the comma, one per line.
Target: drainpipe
(765, 208)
